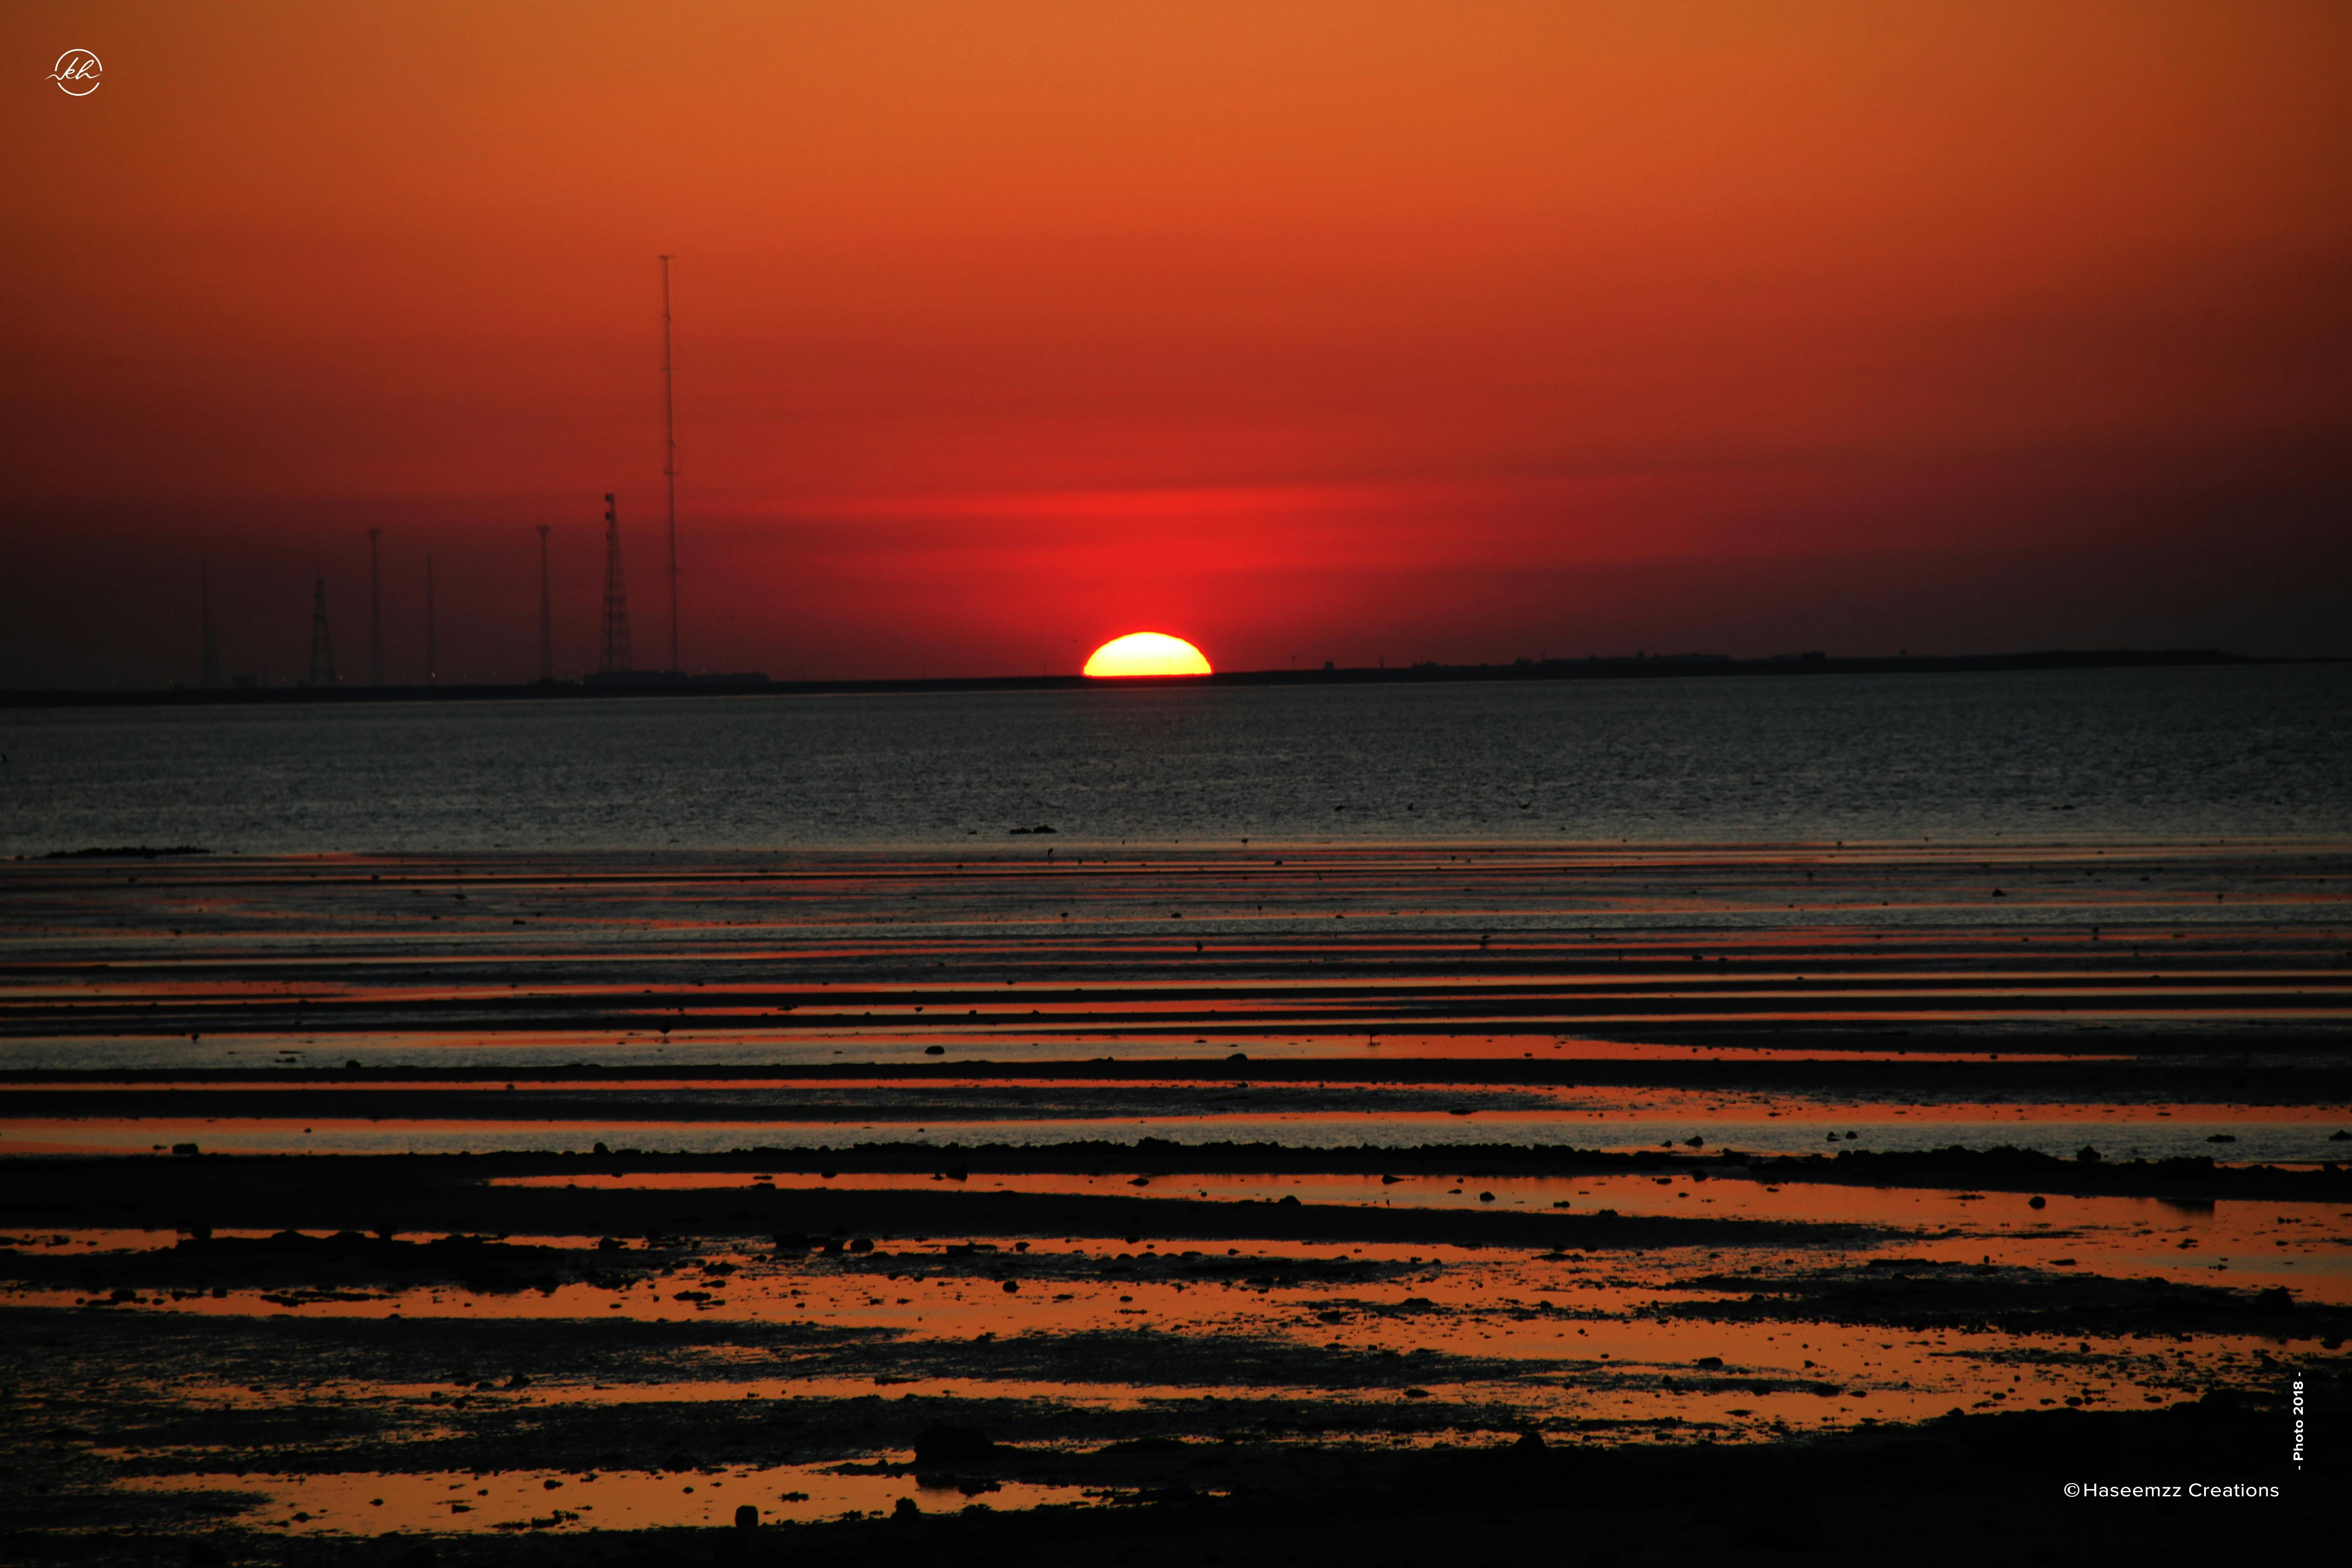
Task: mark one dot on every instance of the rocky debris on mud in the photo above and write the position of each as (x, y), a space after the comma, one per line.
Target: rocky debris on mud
(317, 1264)
(1921, 1293)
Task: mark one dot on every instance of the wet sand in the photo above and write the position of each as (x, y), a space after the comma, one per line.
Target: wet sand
(1196, 1194)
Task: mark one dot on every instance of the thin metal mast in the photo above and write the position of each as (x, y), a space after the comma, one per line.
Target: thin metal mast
(208, 675)
(615, 659)
(375, 612)
(546, 615)
(432, 643)
(669, 463)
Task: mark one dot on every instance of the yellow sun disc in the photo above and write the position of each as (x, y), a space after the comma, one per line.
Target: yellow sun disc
(1147, 653)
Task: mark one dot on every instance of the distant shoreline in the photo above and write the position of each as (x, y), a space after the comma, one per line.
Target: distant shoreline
(656, 683)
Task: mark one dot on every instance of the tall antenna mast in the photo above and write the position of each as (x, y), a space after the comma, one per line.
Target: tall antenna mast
(375, 612)
(432, 643)
(208, 675)
(669, 463)
(546, 615)
(615, 659)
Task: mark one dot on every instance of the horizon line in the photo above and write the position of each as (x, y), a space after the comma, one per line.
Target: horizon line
(1636, 666)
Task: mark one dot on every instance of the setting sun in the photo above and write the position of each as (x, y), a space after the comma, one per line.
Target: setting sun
(1147, 653)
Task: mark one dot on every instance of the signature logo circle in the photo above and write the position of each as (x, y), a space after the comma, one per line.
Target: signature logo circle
(77, 73)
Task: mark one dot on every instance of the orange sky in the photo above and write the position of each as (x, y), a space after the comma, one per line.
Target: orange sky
(1346, 330)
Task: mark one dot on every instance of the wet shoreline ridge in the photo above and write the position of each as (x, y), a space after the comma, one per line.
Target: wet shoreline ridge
(1197, 1203)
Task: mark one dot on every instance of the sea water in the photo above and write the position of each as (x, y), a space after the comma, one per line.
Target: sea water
(2144, 755)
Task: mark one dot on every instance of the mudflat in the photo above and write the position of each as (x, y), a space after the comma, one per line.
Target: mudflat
(1365, 1201)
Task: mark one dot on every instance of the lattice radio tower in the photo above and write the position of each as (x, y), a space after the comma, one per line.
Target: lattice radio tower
(322, 647)
(208, 675)
(615, 659)
(375, 609)
(669, 463)
(546, 614)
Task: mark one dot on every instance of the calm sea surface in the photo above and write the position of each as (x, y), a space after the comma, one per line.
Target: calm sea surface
(2141, 754)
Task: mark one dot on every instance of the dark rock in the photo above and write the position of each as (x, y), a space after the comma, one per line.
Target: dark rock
(2037, 1202)
(943, 1444)
(1784, 1520)
(746, 1517)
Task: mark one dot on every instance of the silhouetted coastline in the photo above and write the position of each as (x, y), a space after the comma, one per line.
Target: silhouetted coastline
(1637, 666)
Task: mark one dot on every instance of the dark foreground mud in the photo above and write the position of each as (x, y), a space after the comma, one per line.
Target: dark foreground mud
(1961, 1490)
(928, 1374)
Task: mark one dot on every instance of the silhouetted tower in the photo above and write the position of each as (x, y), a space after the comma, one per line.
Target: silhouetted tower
(432, 643)
(546, 614)
(208, 675)
(669, 463)
(376, 611)
(615, 659)
(322, 648)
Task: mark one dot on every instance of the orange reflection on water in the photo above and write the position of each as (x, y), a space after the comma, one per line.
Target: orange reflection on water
(459, 1502)
(1578, 1336)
